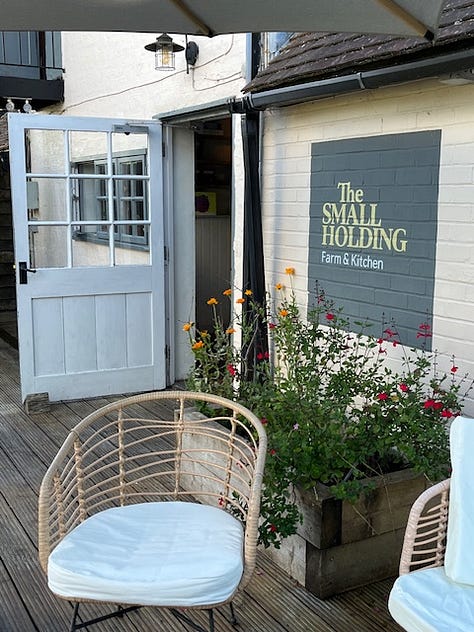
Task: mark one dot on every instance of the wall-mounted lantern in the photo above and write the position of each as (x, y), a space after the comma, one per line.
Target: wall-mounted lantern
(164, 49)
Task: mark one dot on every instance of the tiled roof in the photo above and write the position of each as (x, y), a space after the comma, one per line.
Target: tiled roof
(312, 56)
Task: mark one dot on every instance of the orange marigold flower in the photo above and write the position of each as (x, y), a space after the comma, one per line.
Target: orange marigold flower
(204, 333)
(279, 286)
(197, 345)
(283, 312)
(240, 301)
(248, 292)
(289, 271)
(187, 326)
(230, 330)
(227, 292)
(212, 301)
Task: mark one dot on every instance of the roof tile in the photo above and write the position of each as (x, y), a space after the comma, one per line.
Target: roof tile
(312, 56)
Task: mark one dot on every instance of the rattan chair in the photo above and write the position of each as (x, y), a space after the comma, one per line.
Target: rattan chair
(148, 503)
(435, 589)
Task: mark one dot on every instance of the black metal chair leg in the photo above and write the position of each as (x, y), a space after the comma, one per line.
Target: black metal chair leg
(182, 616)
(233, 618)
(74, 617)
(119, 612)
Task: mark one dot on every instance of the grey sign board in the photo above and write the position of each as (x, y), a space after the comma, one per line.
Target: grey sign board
(373, 229)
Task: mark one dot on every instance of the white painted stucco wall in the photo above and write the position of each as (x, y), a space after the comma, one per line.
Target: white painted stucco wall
(111, 74)
(424, 105)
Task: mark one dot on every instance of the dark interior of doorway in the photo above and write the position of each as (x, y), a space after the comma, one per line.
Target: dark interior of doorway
(213, 204)
(8, 322)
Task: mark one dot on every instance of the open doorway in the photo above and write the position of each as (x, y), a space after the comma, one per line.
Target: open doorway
(213, 203)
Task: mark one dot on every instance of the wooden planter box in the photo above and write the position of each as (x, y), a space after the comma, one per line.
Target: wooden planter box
(340, 545)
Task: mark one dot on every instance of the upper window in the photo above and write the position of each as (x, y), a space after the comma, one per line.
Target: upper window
(272, 43)
(30, 54)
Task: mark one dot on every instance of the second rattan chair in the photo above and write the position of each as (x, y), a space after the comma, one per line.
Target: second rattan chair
(435, 590)
(150, 504)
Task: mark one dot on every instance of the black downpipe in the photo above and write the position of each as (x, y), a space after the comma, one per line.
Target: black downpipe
(253, 264)
(255, 54)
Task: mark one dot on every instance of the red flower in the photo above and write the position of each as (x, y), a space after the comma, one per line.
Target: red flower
(272, 528)
(424, 331)
(390, 333)
(329, 316)
(437, 405)
(429, 403)
(454, 369)
(221, 502)
(446, 413)
(232, 370)
(271, 325)
(262, 356)
(272, 452)
(264, 421)
(382, 396)
(403, 387)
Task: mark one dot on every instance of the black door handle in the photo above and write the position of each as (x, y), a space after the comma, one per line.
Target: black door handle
(22, 272)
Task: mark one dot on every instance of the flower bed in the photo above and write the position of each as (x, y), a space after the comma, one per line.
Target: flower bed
(335, 409)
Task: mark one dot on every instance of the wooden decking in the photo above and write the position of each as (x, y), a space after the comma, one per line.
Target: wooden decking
(272, 603)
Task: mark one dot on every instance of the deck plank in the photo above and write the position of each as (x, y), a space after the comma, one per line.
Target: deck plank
(11, 616)
(273, 602)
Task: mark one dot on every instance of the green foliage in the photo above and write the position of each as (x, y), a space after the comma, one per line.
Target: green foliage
(335, 410)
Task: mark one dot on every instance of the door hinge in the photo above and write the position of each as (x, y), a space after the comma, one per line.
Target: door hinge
(166, 254)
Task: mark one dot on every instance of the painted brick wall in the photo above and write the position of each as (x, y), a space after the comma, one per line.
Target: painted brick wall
(426, 105)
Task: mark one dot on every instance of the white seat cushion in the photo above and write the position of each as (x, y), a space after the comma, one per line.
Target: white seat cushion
(459, 558)
(428, 601)
(156, 554)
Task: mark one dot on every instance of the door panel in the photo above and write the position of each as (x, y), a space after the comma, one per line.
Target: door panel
(92, 311)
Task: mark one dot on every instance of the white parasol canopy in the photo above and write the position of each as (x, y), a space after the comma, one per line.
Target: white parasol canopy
(215, 17)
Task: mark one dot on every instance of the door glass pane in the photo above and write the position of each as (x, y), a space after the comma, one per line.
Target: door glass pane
(89, 199)
(131, 166)
(46, 199)
(90, 246)
(48, 246)
(131, 245)
(45, 151)
(132, 203)
(86, 148)
(129, 147)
